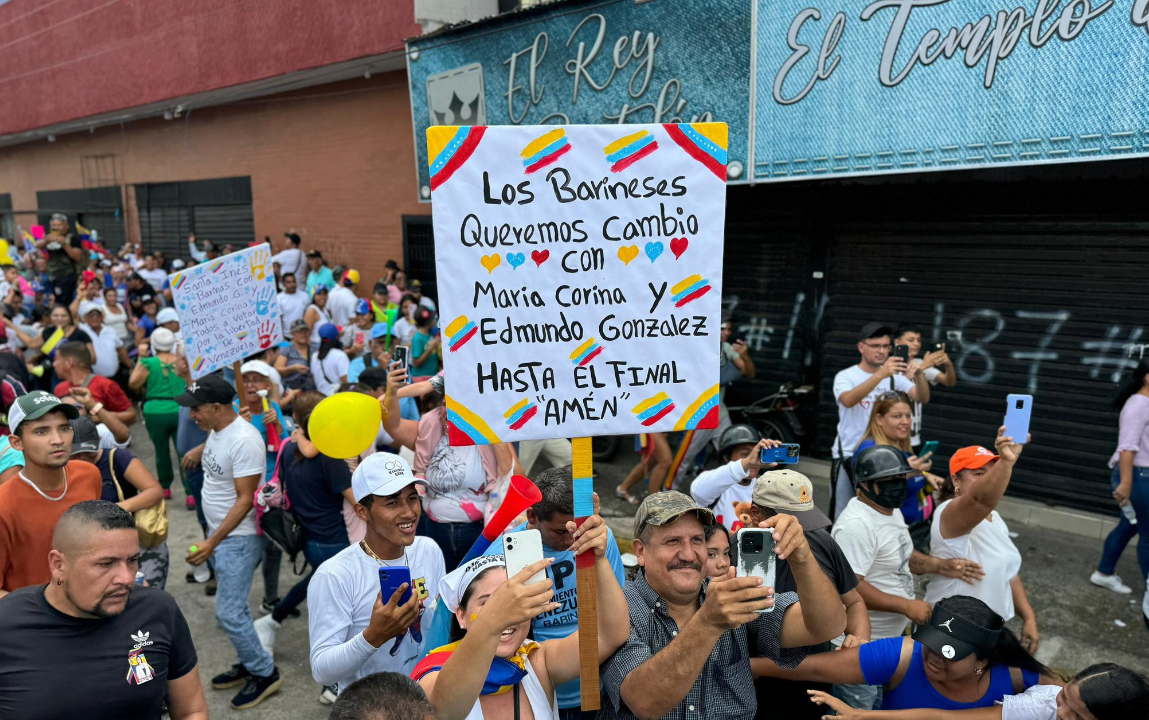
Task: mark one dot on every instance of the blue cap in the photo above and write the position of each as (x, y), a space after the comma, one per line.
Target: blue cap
(379, 330)
(328, 332)
(362, 307)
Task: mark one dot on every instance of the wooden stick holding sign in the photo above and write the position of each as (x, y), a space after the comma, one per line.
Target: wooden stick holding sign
(239, 387)
(587, 594)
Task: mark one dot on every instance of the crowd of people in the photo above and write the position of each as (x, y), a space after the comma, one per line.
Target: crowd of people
(93, 346)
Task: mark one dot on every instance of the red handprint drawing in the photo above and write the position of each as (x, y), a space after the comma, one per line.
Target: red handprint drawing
(265, 331)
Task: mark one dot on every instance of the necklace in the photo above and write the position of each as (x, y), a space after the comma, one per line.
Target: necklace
(367, 549)
(45, 495)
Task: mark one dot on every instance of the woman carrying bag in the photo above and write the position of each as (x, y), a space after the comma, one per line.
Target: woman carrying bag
(161, 413)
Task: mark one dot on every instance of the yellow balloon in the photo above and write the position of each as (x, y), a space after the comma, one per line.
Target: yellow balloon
(345, 424)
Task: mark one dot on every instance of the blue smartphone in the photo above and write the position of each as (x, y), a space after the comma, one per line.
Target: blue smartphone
(783, 454)
(390, 578)
(1017, 413)
(931, 446)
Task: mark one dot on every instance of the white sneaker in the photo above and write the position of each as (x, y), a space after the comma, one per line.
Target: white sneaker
(1112, 582)
(328, 696)
(265, 628)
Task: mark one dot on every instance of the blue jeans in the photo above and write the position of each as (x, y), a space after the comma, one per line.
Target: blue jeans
(316, 553)
(1120, 536)
(859, 697)
(235, 561)
(454, 539)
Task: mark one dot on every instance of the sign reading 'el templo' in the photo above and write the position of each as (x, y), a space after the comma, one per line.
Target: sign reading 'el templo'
(580, 277)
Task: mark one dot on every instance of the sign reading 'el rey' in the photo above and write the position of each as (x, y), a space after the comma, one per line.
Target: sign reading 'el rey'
(580, 277)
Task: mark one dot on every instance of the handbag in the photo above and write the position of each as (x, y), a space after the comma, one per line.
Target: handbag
(276, 519)
(151, 523)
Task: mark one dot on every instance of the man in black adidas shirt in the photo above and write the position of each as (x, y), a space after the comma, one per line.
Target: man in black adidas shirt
(91, 644)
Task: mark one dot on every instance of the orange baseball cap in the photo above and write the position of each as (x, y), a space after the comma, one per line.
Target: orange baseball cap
(970, 457)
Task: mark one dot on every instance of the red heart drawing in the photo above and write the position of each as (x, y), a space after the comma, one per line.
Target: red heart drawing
(540, 257)
(678, 246)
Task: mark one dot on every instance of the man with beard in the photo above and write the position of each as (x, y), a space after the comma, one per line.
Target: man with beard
(70, 644)
(32, 502)
(354, 630)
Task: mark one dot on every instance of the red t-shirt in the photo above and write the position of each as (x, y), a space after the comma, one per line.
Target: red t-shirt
(27, 522)
(103, 391)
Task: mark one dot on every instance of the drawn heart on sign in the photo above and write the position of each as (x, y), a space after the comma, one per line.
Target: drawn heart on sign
(540, 257)
(516, 259)
(490, 262)
(626, 253)
(678, 246)
(653, 250)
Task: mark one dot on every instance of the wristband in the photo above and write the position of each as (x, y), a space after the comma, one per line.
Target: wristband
(96, 409)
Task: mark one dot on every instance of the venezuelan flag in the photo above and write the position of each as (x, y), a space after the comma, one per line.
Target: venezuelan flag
(544, 150)
(504, 674)
(628, 150)
(653, 409)
(53, 341)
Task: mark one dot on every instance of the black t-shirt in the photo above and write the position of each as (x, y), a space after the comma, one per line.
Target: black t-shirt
(117, 459)
(315, 486)
(55, 666)
(77, 335)
(783, 698)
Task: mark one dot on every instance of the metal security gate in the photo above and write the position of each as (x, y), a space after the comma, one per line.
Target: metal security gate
(419, 252)
(8, 220)
(218, 210)
(1047, 308)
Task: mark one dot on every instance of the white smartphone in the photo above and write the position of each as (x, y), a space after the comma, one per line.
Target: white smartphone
(521, 549)
(754, 550)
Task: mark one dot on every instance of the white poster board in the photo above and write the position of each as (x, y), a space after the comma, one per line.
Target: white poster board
(580, 277)
(227, 308)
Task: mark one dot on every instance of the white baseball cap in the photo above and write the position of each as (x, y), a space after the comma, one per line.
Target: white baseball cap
(381, 474)
(258, 367)
(88, 306)
(167, 315)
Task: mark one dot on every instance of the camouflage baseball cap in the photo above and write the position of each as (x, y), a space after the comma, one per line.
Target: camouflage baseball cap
(663, 508)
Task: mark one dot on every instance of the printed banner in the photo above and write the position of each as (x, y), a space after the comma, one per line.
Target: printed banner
(879, 86)
(580, 274)
(227, 308)
(589, 62)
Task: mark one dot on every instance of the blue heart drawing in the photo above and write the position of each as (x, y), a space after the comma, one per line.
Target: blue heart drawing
(516, 259)
(653, 250)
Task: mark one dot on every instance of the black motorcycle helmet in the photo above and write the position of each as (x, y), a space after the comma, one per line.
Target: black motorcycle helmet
(880, 462)
(736, 435)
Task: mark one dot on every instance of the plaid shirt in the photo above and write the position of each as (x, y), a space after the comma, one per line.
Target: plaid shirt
(725, 688)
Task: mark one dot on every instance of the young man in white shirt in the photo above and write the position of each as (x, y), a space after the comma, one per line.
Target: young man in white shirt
(727, 486)
(152, 273)
(110, 351)
(292, 303)
(855, 390)
(936, 365)
(354, 630)
(341, 300)
(290, 259)
(234, 463)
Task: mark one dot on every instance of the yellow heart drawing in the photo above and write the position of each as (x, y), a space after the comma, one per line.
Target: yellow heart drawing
(491, 262)
(626, 253)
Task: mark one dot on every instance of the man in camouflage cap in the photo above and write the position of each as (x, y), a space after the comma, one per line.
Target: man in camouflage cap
(689, 634)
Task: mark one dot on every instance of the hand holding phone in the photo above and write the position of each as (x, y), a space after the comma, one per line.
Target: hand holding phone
(402, 355)
(391, 577)
(522, 549)
(783, 454)
(754, 556)
(931, 446)
(1017, 414)
(902, 352)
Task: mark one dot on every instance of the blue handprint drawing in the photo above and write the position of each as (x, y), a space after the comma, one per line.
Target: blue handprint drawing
(263, 300)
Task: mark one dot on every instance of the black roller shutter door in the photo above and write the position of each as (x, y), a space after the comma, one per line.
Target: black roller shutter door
(7, 221)
(1045, 308)
(218, 210)
(224, 224)
(419, 253)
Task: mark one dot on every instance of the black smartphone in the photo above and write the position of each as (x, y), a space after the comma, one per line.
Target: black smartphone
(937, 347)
(402, 355)
(901, 351)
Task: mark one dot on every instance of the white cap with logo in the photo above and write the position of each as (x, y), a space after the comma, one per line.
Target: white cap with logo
(381, 474)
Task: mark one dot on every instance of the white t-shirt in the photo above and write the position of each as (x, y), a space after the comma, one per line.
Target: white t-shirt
(852, 421)
(456, 484)
(989, 545)
(236, 451)
(106, 344)
(290, 260)
(291, 308)
(155, 278)
(341, 305)
(878, 547)
(1039, 702)
(932, 375)
(404, 330)
(327, 372)
(339, 600)
(108, 440)
(724, 485)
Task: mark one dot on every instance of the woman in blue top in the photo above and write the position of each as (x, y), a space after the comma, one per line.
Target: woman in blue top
(963, 658)
(890, 423)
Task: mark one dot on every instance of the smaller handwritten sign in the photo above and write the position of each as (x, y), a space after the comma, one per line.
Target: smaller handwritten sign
(227, 309)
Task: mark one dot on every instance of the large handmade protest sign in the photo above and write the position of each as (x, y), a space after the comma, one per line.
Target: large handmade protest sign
(580, 274)
(227, 309)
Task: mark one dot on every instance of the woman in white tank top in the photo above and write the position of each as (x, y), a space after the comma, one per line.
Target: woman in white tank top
(966, 525)
(493, 665)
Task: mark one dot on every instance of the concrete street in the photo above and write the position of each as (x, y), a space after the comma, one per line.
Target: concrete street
(1077, 621)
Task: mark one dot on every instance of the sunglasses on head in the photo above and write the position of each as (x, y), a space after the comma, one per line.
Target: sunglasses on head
(894, 395)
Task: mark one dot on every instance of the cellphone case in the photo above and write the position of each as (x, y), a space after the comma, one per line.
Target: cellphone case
(1017, 419)
(521, 549)
(403, 355)
(390, 578)
(758, 564)
(783, 455)
(930, 446)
